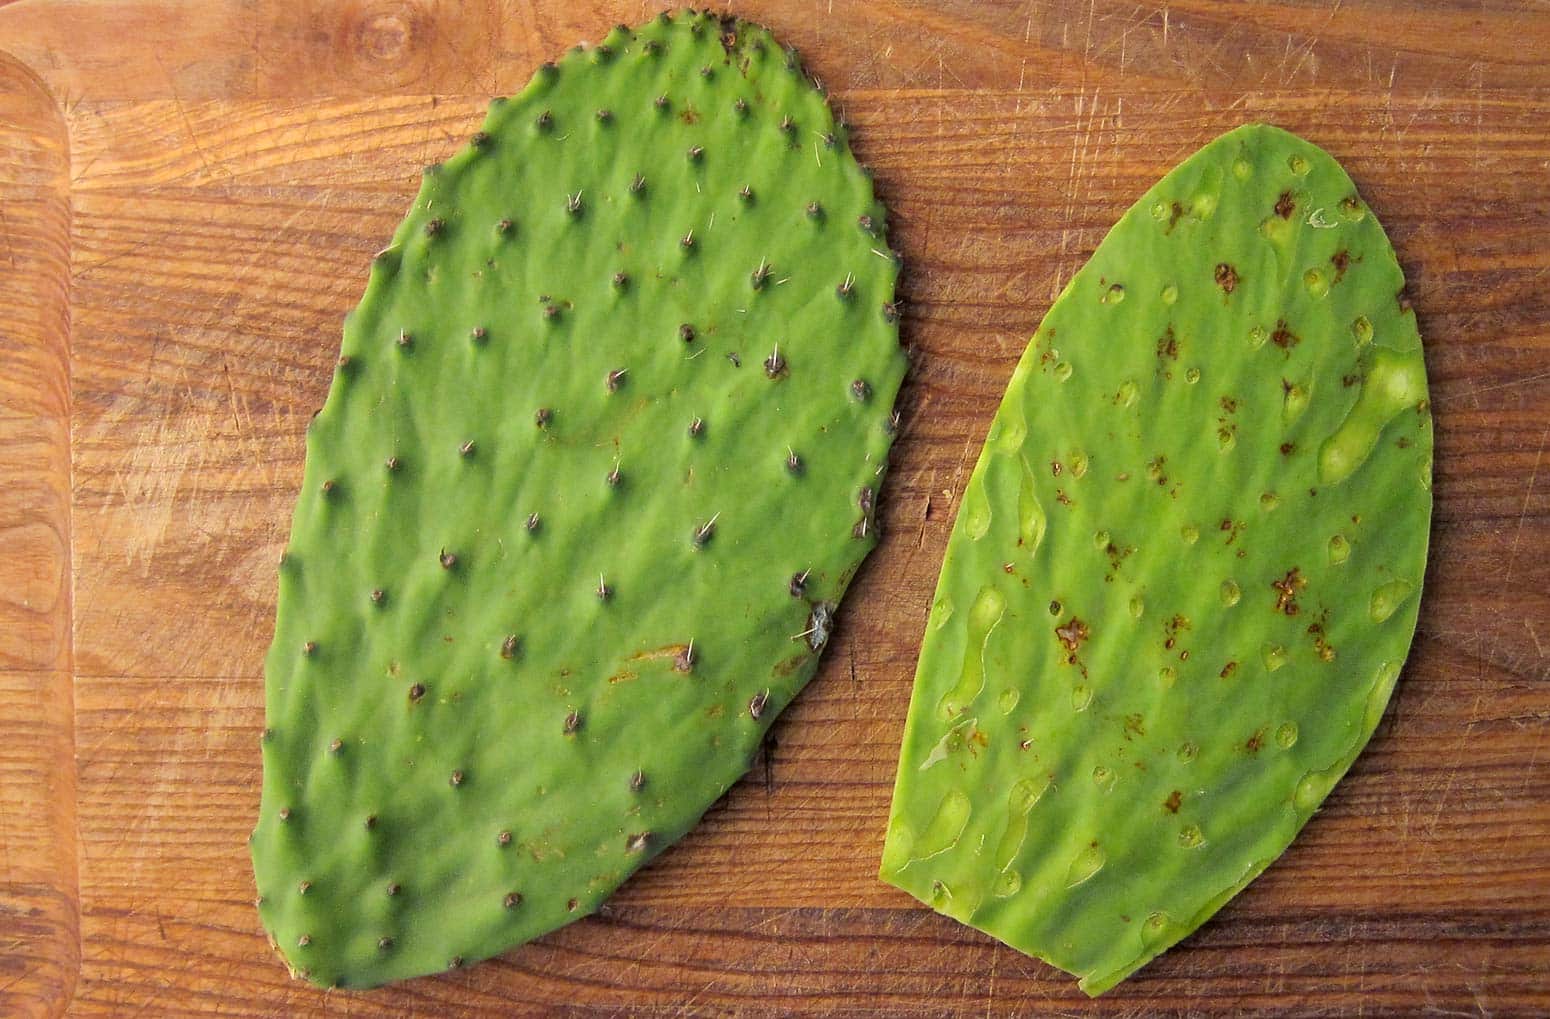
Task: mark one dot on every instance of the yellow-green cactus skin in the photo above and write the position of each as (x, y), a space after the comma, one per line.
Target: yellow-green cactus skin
(1185, 571)
(599, 459)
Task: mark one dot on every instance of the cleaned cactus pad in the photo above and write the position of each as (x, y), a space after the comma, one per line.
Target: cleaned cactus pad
(598, 461)
(1185, 571)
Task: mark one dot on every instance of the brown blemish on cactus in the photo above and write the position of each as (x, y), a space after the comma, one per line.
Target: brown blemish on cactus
(416, 691)
(1174, 801)
(1321, 644)
(1285, 205)
(1226, 277)
(335, 745)
(1168, 345)
(573, 905)
(503, 227)
(604, 116)
(685, 659)
(542, 417)
(1287, 448)
(1286, 591)
(456, 779)
(1341, 260)
(447, 559)
(1254, 742)
(1072, 634)
(509, 646)
(551, 313)
(1228, 670)
(329, 486)
(1171, 630)
(503, 838)
(434, 227)
(621, 280)
(1283, 337)
(512, 900)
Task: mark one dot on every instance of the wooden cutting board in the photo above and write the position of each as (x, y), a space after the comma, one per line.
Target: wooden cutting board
(189, 195)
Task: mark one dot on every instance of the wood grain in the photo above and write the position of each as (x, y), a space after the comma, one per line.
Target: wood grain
(231, 170)
(39, 904)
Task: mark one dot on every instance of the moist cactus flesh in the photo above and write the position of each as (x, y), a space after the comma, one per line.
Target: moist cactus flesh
(598, 461)
(1185, 571)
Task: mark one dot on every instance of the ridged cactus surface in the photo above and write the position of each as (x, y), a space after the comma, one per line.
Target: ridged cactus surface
(599, 459)
(1185, 571)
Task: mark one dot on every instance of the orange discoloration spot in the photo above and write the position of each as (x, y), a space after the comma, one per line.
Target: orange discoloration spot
(1174, 801)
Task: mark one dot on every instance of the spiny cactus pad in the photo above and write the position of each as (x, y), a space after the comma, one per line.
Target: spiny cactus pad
(1185, 571)
(599, 459)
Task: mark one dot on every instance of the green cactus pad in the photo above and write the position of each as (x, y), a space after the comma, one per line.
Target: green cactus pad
(1184, 574)
(597, 464)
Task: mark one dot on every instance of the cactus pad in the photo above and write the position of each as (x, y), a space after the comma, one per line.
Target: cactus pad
(597, 464)
(1184, 573)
